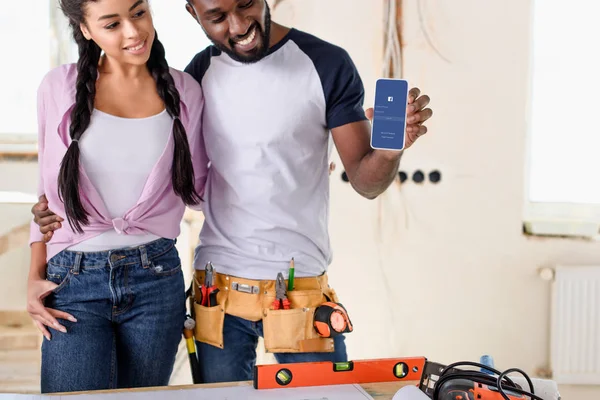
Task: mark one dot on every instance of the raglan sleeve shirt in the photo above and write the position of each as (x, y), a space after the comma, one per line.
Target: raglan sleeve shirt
(344, 90)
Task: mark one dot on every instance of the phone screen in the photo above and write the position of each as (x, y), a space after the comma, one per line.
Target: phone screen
(389, 117)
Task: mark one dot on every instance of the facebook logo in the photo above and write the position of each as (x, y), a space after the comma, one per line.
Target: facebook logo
(390, 99)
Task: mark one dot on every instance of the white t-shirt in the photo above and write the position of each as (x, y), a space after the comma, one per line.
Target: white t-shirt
(266, 127)
(118, 155)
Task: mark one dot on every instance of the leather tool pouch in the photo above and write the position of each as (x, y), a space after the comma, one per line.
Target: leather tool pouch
(292, 331)
(285, 331)
(209, 320)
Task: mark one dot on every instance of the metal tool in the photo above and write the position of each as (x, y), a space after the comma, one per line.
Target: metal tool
(209, 291)
(281, 300)
(244, 288)
(441, 382)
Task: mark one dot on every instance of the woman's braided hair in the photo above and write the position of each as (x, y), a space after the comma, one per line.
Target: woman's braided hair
(87, 74)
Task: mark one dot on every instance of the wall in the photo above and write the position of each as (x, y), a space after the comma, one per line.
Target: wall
(444, 270)
(14, 265)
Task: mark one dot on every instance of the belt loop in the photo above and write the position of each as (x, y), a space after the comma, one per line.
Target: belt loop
(77, 262)
(144, 256)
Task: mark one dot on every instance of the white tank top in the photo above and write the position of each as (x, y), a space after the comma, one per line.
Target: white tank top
(118, 155)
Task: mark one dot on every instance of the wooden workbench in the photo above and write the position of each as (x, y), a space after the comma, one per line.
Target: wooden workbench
(379, 391)
(385, 391)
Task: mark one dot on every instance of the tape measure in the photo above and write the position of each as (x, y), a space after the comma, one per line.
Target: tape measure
(331, 319)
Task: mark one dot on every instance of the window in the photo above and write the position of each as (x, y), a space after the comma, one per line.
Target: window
(29, 42)
(563, 185)
(182, 37)
(40, 39)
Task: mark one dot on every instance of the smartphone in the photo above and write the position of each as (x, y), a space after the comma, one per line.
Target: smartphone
(389, 117)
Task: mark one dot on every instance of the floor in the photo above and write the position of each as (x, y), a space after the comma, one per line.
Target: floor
(19, 353)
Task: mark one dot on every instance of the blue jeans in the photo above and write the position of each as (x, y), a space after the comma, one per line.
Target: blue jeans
(130, 309)
(236, 361)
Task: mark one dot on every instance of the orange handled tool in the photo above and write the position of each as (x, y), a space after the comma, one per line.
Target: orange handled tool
(463, 389)
(281, 301)
(441, 382)
(208, 291)
(271, 376)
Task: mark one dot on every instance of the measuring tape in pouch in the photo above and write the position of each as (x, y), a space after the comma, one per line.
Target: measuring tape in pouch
(331, 319)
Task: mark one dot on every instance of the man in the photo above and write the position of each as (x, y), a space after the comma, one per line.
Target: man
(272, 96)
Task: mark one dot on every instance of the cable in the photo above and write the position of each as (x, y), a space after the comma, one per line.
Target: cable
(392, 59)
(485, 379)
(426, 34)
(508, 371)
(474, 364)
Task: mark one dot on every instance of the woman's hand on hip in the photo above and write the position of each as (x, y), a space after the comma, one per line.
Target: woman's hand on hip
(37, 291)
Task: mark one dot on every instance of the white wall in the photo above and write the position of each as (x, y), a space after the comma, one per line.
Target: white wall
(444, 270)
(14, 265)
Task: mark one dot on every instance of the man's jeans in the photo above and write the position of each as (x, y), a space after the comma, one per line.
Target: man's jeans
(130, 309)
(236, 361)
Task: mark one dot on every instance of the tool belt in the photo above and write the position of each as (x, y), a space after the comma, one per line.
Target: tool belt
(285, 330)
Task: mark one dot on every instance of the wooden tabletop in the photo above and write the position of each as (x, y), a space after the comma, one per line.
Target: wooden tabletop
(385, 391)
(379, 391)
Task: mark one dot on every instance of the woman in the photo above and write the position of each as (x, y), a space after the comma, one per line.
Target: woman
(121, 154)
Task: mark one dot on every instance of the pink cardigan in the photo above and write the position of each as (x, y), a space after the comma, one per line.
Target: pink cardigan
(158, 211)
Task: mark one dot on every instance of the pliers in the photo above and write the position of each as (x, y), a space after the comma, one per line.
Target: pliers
(281, 300)
(209, 291)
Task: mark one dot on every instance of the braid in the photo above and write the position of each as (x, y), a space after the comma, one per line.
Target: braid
(182, 169)
(68, 178)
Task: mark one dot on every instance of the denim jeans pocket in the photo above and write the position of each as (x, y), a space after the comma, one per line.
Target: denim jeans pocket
(58, 274)
(165, 264)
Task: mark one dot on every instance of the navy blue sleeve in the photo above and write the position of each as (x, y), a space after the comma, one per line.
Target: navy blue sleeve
(200, 63)
(343, 88)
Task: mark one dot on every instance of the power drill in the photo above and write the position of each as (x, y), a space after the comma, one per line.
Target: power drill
(459, 387)
(462, 389)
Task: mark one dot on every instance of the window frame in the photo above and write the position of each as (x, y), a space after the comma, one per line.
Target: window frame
(62, 50)
(18, 145)
(558, 219)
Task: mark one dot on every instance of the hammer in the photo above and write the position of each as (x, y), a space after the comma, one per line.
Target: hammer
(188, 334)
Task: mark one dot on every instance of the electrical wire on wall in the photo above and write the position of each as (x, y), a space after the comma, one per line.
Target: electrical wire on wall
(276, 3)
(388, 202)
(425, 33)
(392, 56)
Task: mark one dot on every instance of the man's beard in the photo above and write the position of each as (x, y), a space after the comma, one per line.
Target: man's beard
(259, 52)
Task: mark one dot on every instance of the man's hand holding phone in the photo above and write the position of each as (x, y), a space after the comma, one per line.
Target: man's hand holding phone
(416, 115)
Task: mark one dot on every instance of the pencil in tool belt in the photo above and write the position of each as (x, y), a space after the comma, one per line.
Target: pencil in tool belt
(291, 276)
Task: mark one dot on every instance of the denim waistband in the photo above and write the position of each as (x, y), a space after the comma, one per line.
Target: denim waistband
(125, 256)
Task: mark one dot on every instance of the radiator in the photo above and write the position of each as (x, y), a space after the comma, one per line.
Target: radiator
(575, 325)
